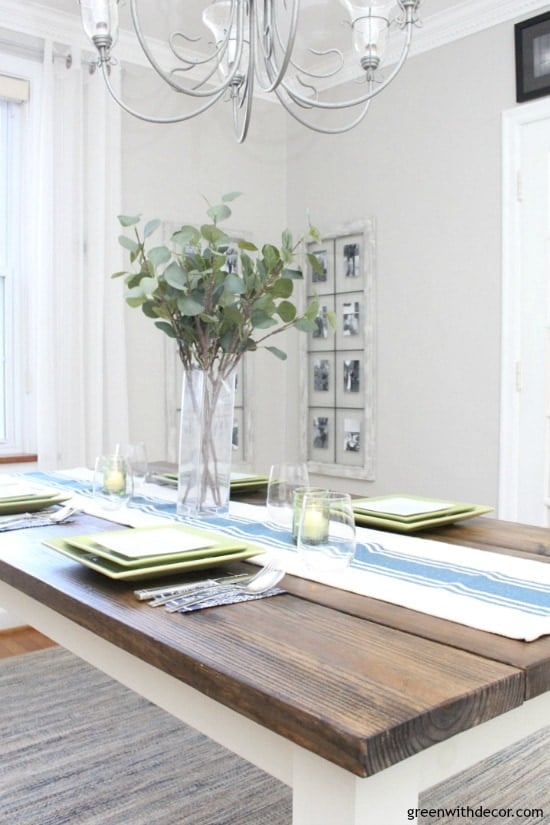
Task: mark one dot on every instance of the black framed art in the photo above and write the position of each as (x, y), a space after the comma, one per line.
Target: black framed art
(532, 40)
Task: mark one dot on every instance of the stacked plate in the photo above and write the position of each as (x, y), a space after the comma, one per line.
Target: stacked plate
(20, 497)
(239, 481)
(148, 552)
(406, 514)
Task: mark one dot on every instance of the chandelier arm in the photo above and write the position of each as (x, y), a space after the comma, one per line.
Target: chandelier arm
(267, 54)
(373, 90)
(322, 75)
(191, 92)
(150, 118)
(247, 87)
(324, 130)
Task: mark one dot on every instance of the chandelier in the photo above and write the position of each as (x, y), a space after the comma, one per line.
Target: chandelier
(251, 45)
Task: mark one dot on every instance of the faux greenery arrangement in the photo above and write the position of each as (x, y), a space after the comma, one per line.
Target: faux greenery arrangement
(215, 311)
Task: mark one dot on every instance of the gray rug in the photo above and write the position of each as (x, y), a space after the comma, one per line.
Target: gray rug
(77, 748)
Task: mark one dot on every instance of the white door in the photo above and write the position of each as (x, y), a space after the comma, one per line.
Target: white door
(525, 433)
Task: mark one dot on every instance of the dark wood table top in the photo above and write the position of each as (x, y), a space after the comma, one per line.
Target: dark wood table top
(362, 683)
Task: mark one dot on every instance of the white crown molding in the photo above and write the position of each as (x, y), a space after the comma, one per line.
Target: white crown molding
(468, 18)
(463, 20)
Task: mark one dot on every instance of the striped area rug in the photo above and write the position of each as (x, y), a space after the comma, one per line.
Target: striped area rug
(77, 748)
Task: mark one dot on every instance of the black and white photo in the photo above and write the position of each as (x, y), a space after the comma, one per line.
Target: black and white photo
(321, 375)
(532, 41)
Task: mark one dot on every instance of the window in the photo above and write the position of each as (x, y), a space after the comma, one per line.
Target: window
(14, 435)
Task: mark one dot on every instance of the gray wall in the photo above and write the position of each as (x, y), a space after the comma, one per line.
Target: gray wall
(426, 164)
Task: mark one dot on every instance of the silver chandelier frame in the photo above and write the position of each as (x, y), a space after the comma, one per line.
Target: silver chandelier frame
(254, 41)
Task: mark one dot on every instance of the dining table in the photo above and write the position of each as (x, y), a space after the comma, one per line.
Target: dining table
(356, 703)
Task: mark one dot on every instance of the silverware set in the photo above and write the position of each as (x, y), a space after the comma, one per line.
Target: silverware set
(40, 518)
(182, 597)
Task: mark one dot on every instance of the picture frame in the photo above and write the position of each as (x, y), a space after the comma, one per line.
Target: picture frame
(322, 379)
(350, 315)
(322, 338)
(321, 442)
(338, 395)
(321, 283)
(350, 379)
(350, 262)
(532, 53)
(349, 437)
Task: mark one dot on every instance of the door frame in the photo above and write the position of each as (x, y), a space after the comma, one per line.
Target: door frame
(513, 121)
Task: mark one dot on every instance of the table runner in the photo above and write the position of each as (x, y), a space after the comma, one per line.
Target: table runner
(489, 591)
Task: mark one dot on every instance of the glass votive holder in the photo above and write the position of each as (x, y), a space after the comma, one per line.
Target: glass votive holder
(113, 481)
(299, 493)
(326, 532)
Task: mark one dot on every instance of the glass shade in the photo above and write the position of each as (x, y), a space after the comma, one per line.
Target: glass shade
(370, 23)
(100, 18)
(217, 17)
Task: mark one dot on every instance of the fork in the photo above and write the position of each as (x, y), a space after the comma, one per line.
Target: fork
(259, 583)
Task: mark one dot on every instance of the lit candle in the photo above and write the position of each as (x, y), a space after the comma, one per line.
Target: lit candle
(115, 481)
(314, 525)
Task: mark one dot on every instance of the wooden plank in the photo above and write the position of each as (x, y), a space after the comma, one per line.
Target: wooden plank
(360, 694)
(492, 534)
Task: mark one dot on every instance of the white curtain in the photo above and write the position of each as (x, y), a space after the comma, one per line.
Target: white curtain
(81, 387)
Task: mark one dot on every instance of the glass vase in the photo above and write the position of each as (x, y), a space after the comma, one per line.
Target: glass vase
(206, 432)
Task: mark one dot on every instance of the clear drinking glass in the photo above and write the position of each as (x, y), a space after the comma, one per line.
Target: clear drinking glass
(137, 457)
(284, 479)
(326, 531)
(113, 481)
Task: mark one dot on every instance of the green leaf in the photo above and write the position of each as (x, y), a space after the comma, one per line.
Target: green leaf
(271, 257)
(150, 227)
(118, 274)
(211, 234)
(278, 353)
(248, 246)
(286, 312)
(219, 213)
(314, 234)
(282, 288)
(147, 286)
(234, 284)
(175, 276)
(149, 308)
(128, 243)
(186, 236)
(261, 320)
(231, 196)
(315, 263)
(128, 220)
(159, 255)
(312, 310)
(292, 274)
(190, 306)
(166, 327)
(287, 250)
(135, 297)
(304, 325)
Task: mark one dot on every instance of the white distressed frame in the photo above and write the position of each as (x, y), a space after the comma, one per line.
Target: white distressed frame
(364, 466)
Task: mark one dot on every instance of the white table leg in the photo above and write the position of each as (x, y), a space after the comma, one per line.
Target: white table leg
(324, 794)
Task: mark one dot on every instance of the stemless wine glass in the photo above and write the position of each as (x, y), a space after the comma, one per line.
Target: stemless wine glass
(137, 456)
(113, 481)
(284, 479)
(326, 531)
